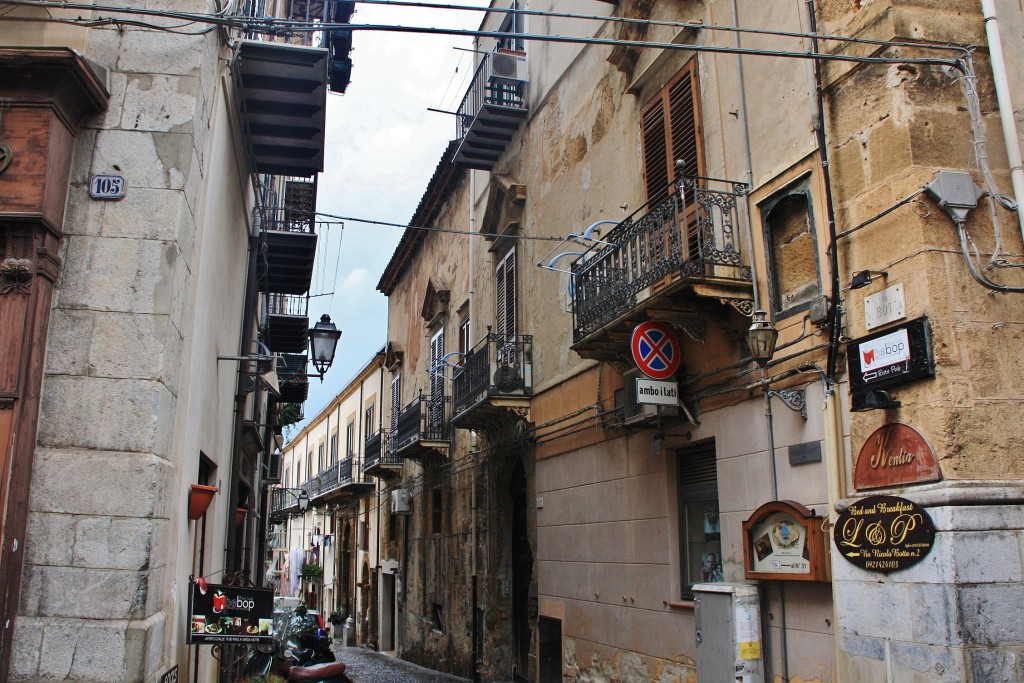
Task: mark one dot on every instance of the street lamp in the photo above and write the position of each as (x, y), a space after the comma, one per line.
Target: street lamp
(303, 500)
(761, 338)
(323, 341)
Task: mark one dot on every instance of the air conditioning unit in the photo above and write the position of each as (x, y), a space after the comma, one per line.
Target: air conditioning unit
(634, 412)
(401, 502)
(507, 67)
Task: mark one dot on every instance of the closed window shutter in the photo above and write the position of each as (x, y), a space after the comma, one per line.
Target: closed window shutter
(670, 121)
(396, 397)
(655, 164)
(437, 372)
(505, 305)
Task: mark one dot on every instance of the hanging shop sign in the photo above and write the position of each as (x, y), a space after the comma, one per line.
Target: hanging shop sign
(783, 541)
(895, 356)
(230, 614)
(895, 454)
(655, 349)
(884, 533)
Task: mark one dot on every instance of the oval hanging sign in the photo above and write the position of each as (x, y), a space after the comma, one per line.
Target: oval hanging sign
(655, 349)
(884, 533)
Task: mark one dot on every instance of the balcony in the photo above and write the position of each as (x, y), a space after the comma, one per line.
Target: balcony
(283, 503)
(492, 110)
(283, 102)
(423, 429)
(341, 483)
(291, 376)
(379, 459)
(287, 323)
(289, 232)
(668, 264)
(494, 383)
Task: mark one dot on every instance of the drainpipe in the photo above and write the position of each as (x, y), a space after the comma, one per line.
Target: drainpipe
(1006, 118)
(750, 162)
(834, 449)
(248, 318)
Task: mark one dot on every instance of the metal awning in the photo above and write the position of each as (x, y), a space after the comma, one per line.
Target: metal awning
(283, 95)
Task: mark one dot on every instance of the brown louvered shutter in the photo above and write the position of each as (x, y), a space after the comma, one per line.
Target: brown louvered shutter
(505, 303)
(655, 164)
(671, 121)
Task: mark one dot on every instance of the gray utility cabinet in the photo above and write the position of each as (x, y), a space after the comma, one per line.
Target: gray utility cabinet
(728, 633)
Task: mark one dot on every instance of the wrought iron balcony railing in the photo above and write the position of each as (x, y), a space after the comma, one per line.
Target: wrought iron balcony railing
(283, 501)
(378, 452)
(691, 234)
(423, 420)
(491, 111)
(287, 304)
(498, 365)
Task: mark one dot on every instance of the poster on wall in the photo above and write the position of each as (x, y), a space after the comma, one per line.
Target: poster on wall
(229, 614)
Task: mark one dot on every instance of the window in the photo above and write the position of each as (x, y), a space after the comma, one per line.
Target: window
(505, 303)
(350, 439)
(670, 130)
(793, 273)
(465, 342)
(334, 449)
(298, 474)
(320, 458)
(368, 426)
(396, 405)
(436, 414)
(700, 541)
(309, 464)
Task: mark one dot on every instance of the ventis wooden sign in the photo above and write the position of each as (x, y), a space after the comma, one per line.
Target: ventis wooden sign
(893, 455)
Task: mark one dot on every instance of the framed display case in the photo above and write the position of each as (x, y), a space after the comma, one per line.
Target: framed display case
(783, 541)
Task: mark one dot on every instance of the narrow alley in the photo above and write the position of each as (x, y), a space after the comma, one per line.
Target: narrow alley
(370, 666)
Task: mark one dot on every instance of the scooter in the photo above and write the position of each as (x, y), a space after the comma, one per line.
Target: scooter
(299, 645)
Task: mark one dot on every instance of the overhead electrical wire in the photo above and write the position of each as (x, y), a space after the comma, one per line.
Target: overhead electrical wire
(274, 26)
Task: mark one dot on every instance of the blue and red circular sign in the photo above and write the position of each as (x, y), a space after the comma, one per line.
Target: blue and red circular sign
(655, 349)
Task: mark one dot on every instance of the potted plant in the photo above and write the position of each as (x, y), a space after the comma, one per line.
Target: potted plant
(199, 499)
(337, 618)
(312, 570)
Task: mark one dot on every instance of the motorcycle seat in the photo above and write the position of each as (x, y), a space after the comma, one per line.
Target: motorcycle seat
(316, 672)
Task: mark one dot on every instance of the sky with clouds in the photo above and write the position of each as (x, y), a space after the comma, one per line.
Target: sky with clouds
(382, 146)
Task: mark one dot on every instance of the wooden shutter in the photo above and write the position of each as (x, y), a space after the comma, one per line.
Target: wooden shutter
(396, 407)
(505, 288)
(670, 130)
(436, 370)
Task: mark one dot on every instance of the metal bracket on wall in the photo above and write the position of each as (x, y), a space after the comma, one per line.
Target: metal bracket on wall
(794, 399)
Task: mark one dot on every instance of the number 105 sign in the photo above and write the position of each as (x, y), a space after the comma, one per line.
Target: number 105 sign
(106, 187)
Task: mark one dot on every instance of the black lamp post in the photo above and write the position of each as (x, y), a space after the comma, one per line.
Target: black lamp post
(323, 341)
(303, 500)
(761, 338)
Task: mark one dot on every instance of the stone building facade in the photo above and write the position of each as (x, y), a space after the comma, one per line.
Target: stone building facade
(143, 222)
(838, 169)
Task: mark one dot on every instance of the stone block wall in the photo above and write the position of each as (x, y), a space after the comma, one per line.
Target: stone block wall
(101, 544)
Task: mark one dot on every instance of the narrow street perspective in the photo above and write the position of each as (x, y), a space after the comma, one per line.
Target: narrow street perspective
(511, 341)
(368, 666)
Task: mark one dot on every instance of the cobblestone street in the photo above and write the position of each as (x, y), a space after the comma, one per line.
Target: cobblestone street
(369, 666)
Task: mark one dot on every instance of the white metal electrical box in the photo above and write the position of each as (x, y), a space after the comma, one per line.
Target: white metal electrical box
(728, 633)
